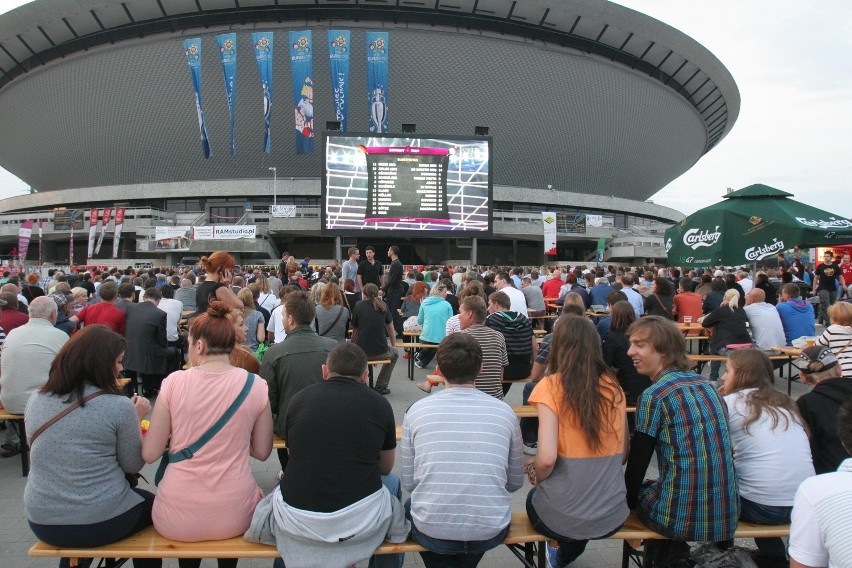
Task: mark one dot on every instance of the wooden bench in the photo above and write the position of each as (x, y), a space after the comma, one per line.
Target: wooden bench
(374, 362)
(415, 345)
(22, 434)
(279, 443)
(523, 540)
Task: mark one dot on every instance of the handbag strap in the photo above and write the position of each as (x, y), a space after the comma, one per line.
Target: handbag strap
(62, 414)
(667, 311)
(188, 452)
(337, 319)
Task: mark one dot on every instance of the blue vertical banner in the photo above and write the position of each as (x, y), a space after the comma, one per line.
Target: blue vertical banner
(228, 54)
(377, 80)
(263, 53)
(192, 52)
(301, 71)
(338, 54)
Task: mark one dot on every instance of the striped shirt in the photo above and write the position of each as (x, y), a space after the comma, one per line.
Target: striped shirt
(461, 460)
(494, 358)
(838, 338)
(696, 494)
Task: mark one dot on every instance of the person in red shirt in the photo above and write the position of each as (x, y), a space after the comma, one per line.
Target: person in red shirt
(10, 317)
(687, 303)
(846, 269)
(550, 288)
(104, 312)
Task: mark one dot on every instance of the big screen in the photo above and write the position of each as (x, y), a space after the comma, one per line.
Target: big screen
(394, 184)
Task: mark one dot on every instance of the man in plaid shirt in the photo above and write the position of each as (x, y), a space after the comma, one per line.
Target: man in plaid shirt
(684, 419)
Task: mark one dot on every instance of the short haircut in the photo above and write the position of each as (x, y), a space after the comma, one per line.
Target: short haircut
(300, 306)
(501, 299)
(460, 358)
(686, 284)
(107, 291)
(43, 307)
(791, 290)
(370, 248)
(627, 279)
(476, 306)
(167, 292)
(504, 276)
(153, 294)
(666, 339)
(126, 290)
(11, 300)
(841, 313)
(395, 250)
(616, 296)
(347, 359)
(351, 251)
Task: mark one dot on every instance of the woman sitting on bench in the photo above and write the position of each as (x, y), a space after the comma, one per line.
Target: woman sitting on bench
(85, 438)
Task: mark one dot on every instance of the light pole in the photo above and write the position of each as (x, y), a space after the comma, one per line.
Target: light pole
(274, 171)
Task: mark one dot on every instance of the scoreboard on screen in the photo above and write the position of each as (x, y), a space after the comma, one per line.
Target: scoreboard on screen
(390, 185)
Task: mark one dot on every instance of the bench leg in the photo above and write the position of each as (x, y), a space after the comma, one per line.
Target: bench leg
(524, 553)
(630, 552)
(370, 368)
(21, 430)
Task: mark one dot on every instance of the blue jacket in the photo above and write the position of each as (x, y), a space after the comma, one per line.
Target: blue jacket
(433, 315)
(797, 317)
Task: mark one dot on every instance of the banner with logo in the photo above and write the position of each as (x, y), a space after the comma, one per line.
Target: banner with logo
(24, 235)
(224, 232)
(301, 71)
(119, 224)
(548, 220)
(93, 231)
(377, 80)
(173, 237)
(594, 220)
(71, 247)
(106, 217)
(601, 250)
(40, 240)
(263, 47)
(228, 55)
(283, 210)
(338, 54)
(192, 52)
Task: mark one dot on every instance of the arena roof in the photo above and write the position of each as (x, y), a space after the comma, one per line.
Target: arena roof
(586, 96)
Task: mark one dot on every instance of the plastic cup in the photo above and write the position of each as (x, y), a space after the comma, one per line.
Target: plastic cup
(810, 342)
(687, 319)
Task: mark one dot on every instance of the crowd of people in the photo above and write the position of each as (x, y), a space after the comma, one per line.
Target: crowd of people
(231, 357)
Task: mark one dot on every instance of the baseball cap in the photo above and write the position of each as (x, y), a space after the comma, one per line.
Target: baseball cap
(61, 299)
(815, 359)
(718, 274)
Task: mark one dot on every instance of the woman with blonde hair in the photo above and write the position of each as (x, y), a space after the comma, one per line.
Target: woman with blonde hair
(252, 319)
(772, 454)
(219, 267)
(582, 435)
(838, 335)
(729, 325)
(194, 492)
(266, 299)
(316, 292)
(332, 315)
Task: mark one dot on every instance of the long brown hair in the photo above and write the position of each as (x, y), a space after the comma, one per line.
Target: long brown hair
(576, 357)
(371, 294)
(331, 296)
(623, 315)
(88, 357)
(753, 370)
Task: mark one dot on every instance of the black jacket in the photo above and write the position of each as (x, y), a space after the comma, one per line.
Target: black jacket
(819, 410)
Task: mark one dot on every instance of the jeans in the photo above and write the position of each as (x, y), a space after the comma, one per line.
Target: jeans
(105, 532)
(383, 380)
(394, 485)
(569, 548)
(714, 365)
(442, 553)
(826, 300)
(766, 515)
(425, 355)
(529, 426)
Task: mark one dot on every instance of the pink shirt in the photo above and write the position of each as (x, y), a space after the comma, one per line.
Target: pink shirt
(213, 495)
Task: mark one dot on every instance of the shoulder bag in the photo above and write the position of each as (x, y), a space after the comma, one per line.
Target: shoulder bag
(329, 328)
(190, 451)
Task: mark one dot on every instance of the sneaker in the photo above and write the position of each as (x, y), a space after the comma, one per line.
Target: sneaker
(9, 450)
(418, 364)
(530, 449)
(383, 392)
(552, 552)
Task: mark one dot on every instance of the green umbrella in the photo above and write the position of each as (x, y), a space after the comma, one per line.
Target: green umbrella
(752, 224)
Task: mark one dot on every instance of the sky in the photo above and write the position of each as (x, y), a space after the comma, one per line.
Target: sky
(792, 62)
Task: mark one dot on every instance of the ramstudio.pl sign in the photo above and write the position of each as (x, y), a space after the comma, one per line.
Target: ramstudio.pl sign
(224, 232)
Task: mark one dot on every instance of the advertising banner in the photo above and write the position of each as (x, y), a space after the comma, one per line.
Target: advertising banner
(24, 234)
(224, 232)
(263, 46)
(173, 237)
(283, 210)
(71, 247)
(601, 250)
(68, 219)
(40, 241)
(93, 230)
(119, 224)
(106, 217)
(228, 54)
(570, 223)
(594, 220)
(338, 54)
(548, 221)
(192, 51)
(301, 71)
(377, 80)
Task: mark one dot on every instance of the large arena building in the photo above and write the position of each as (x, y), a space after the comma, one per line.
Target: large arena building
(592, 108)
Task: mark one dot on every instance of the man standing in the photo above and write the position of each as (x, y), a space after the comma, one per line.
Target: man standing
(147, 348)
(797, 316)
(338, 498)
(27, 355)
(461, 459)
(825, 285)
(846, 271)
(764, 321)
(349, 269)
(293, 364)
(104, 312)
(503, 283)
(393, 289)
(683, 419)
(370, 271)
(472, 314)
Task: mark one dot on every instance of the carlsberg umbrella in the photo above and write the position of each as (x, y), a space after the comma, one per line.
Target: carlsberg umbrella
(751, 224)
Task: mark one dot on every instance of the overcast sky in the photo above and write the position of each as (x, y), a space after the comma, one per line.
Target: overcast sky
(792, 62)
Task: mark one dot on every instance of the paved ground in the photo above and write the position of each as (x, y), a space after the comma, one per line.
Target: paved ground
(16, 538)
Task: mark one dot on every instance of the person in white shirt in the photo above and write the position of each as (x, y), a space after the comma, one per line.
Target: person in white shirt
(744, 281)
(766, 328)
(275, 327)
(503, 282)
